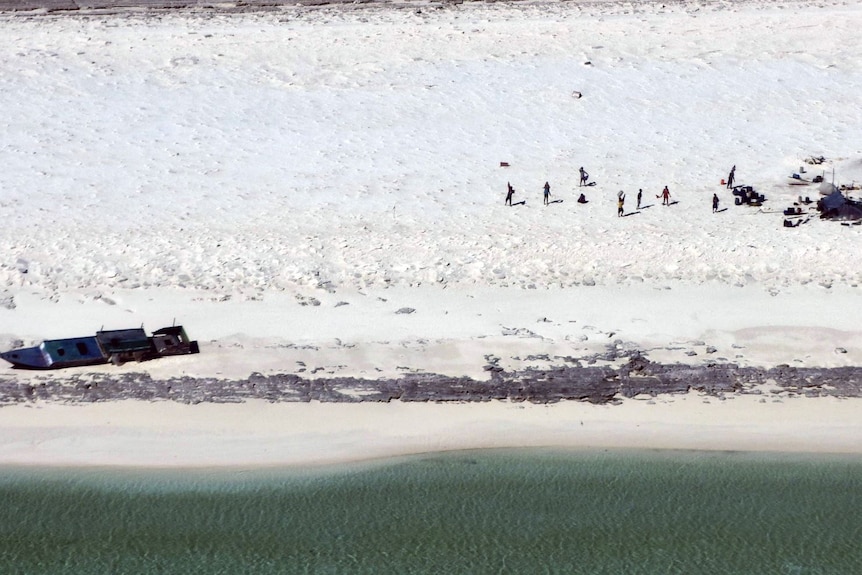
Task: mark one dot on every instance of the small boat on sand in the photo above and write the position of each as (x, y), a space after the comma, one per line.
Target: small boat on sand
(112, 346)
(798, 180)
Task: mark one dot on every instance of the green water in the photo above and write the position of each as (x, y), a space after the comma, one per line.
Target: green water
(467, 512)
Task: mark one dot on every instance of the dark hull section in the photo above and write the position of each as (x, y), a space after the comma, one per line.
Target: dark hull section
(26, 358)
(31, 358)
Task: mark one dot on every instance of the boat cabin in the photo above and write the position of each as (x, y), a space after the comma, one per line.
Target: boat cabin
(121, 345)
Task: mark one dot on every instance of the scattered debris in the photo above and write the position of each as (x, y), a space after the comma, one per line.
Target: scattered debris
(797, 180)
(7, 301)
(746, 195)
(304, 301)
(794, 223)
(815, 160)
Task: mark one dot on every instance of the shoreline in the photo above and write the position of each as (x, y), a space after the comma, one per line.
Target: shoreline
(642, 379)
(260, 434)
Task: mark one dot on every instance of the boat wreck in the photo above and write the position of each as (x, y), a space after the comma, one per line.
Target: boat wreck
(112, 346)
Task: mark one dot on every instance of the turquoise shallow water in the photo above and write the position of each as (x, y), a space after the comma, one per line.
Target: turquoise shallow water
(524, 511)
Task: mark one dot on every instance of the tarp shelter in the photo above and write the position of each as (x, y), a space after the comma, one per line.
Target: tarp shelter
(837, 207)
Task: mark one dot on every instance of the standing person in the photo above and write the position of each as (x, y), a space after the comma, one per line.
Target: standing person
(584, 176)
(665, 197)
(640, 194)
(547, 192)
(731, 176)
(621, 201)
(714, 203)
(509, 192)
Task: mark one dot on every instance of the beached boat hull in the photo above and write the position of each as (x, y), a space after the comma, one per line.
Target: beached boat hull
(113, 346)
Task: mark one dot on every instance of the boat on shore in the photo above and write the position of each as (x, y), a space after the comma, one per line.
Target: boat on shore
(107, 346)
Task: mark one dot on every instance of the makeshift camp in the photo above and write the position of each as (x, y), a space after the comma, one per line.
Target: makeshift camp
(837, 206)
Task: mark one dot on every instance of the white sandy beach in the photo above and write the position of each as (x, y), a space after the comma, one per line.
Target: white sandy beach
(319, 191)
(167, 434)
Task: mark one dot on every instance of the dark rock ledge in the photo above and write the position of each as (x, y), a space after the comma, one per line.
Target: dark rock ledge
(594, 384)
(120, 6)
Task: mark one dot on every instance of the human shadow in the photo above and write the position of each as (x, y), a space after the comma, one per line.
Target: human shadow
(673, 203)
(646, 206)
(556, 202)
(721, 210)
(627, 214)
(521, 203)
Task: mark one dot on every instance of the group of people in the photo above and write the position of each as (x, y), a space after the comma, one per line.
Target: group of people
(546, 194)
(621, 200)
(621, 196)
